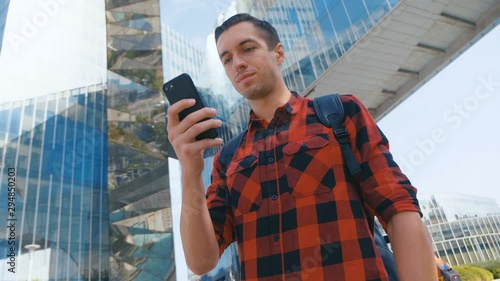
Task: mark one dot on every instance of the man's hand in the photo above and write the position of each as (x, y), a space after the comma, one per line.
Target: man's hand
(201, 254)
(181, 135)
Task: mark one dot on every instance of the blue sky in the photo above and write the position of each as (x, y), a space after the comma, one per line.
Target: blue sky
(446, 136)
(192, 18)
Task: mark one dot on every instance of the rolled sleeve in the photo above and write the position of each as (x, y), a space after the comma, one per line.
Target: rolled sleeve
(220, 212)
(385, 189)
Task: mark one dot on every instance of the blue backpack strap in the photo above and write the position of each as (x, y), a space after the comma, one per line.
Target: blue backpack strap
(228, 150)
(226, 155)
(331, 113)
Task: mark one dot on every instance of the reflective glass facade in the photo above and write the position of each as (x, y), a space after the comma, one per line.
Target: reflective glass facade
(464, 228)
(180, 55)
(4, 5)
(317, 33)
(140, 213)
(54, 161)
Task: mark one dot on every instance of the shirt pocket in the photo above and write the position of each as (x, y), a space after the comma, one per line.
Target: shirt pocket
(308, 166)
(243, 181)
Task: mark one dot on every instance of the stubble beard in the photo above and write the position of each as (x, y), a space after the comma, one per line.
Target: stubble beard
(257, 91)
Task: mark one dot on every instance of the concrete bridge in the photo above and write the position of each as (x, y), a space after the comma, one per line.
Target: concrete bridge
(414, 41)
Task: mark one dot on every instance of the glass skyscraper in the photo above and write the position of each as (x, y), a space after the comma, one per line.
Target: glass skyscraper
(464, 228)
(317, 33)
(141, 233)
(54, 161)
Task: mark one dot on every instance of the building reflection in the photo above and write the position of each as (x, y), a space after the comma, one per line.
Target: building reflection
(58, 145)
(141, 238)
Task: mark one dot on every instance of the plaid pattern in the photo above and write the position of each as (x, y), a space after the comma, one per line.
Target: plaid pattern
(293, 208)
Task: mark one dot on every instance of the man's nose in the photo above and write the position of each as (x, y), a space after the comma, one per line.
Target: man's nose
(239, 62)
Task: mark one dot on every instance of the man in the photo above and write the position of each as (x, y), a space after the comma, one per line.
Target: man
(285, 197)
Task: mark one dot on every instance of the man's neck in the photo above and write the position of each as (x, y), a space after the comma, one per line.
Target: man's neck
(266, 107)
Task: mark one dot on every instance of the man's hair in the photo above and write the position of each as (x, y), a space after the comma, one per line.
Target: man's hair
(266, 29)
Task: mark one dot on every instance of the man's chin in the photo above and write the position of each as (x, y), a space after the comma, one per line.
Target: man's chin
(253, 93)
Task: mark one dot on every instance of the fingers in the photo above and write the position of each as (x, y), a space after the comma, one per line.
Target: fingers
(195, 119)
(194, 148)
(190, 151)
(182, 133)
(174, 110)
(174, 121)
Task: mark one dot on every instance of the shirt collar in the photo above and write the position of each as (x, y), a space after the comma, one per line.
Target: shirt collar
(294, 103)
(292, 107)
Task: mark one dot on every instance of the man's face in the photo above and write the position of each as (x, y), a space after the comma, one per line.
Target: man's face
(252, 68)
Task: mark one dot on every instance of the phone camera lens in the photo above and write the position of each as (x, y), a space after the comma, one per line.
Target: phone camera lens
(168, 87)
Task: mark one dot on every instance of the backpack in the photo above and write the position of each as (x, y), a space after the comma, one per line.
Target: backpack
(330, 112)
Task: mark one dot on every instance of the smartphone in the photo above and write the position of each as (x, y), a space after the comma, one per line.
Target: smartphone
(182, 87)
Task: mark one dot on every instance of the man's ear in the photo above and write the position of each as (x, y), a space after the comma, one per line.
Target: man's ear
(280, 53)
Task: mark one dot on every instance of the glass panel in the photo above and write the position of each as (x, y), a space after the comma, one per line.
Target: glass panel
(457, 230)
(120, 16)
(307, 72)
(140, 24)
(4, 6)
(139, 200)
(53, 159)
(136, 42)
(111, 4)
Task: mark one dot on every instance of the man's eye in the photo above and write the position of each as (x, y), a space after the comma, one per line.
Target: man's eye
(249, 49)
(227, 60)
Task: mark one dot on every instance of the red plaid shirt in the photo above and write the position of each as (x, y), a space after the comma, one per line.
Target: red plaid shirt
(292, 206)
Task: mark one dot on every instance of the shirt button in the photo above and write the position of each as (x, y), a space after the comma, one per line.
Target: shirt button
(276, 238)
(271, 160)
(274, 197)
(271, 131)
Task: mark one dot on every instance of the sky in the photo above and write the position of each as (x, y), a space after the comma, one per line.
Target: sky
(193, 18)
(38, 31)
(446, 136)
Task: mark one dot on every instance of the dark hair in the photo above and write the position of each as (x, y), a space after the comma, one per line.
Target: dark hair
(267, 30)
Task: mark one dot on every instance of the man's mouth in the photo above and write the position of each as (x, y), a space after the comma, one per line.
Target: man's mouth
(243, 77)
